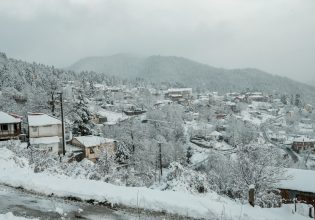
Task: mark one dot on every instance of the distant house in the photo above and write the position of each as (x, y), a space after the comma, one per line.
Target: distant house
(258, 98)
(45, 132)
(220, 116)
(134, 111)
(215, 135)
(232, 106)
(113, 89)
(303, 143)
(309, 108)
(10, 126)
(93, 146)
(298, 187)
(178, 94)
(99, 119)
(161, 103)
(240, 98)
(290, 114)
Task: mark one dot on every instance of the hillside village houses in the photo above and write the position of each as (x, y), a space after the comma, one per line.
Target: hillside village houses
(45, 133)
(10, 126)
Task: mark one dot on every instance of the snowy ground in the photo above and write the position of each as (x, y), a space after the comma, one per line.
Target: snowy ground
(16, 172)
(10, 216)
(255, 119)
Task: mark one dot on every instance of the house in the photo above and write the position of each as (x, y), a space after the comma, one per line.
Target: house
(178, 94)
(220, 116)
(93, 146)
(10, 126)
(240, 98)
(45, 132)
(258, 98)
(134, 111)
(309, 108)
(99, 119)
(215, 135)
(303, 143)
(161, 103)
(232, 106)
(298, 187)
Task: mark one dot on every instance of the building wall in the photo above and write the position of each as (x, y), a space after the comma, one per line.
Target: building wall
(288, 196)
(300, 146)
(45, 131)
(110, 147)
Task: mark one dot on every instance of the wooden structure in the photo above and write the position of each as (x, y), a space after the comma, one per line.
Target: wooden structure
(10, 126)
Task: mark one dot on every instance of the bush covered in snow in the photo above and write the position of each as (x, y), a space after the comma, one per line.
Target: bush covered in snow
(183, 179)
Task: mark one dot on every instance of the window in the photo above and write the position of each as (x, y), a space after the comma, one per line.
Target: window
(34, 129)
(49, 148)
(4, 127)
(91, 151)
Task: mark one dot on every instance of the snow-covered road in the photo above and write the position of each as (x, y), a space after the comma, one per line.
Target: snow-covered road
(22, 203)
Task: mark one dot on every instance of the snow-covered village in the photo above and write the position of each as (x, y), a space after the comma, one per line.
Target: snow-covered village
(126, 136)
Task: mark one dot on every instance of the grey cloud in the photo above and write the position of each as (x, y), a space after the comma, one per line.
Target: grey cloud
(276, 36)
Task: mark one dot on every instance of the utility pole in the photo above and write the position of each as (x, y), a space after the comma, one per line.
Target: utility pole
(160, 158)
(62, 125)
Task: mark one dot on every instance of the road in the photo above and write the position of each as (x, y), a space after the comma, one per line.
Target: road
(267, 139)
(26, 204)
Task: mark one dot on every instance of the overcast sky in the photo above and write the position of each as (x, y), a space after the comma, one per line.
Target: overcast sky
(277, 36)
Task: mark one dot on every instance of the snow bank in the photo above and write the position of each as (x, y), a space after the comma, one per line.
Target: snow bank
(16, 172)
(10, 216)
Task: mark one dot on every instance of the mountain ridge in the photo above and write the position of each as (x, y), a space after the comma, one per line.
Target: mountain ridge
(186, 72)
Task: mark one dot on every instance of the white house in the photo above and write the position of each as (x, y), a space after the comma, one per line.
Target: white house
(45, 132)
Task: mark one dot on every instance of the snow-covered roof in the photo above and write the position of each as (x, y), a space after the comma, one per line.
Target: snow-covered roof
(8, 119)
(99, 86)
(175, 95)
(40, 119)
(303, 139)
(180, 90)
(301, 180)
(215, 133)
(230, 103)
(91, 141)
(45, 140)
(256, 96)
